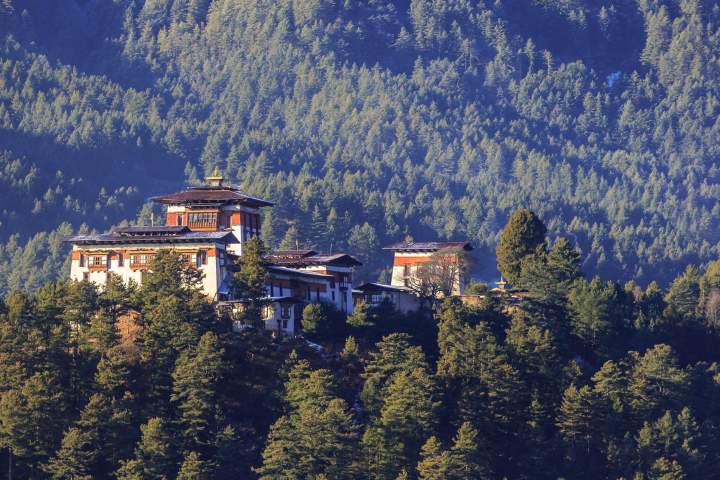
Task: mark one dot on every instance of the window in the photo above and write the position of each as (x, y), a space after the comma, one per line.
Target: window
(82, 260)
(121, 260)
(285, 312)
(317, 294)
(284, 323)
(201, 258)
(86, 276)
(179, 220)
(98, 260)
(333, 295)
(141, 259)
(202, 219)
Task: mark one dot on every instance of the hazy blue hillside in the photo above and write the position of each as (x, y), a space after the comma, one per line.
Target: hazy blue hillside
(370, 120)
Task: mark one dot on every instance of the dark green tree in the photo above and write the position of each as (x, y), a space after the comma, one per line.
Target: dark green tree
(549, 275)
(314, 319)
(579, 421)
(76, 457)
(196, 378)
(394, 354)
(249, 282)
(194, 468)
(154, 457)
(31, 420)
(521, 236)
(683, 297)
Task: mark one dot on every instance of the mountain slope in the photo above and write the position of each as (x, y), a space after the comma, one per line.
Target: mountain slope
(368, 121)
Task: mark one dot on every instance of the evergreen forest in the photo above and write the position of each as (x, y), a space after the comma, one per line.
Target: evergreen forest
(572, 377)
(367, 121)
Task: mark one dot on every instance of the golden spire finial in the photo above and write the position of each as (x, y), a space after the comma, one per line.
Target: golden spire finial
(216, 179)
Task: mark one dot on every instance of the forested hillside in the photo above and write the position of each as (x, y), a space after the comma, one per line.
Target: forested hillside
(579, 378)
(369, 120)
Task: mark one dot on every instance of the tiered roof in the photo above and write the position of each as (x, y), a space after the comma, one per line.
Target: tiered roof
(211, 195)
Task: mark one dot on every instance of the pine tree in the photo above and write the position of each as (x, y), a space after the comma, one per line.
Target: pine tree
(249, 281)
(360, 318)
(549, 275)
(534, 348)
(656, 382)
(351, 353)
(577, 421)
(102, 333)
(314, 319)
(611, 384)
(290, 240)
(653, 305)
(710, 281)
(31, 420)
(76, 456)
(169, 275)
(193, 468)
(394, 354)
(167, 334)
(154, 458)
(280, 453)
(195, 382)
(523, 233)
(114, 375)
(674, 438)
(318, 229)
(466, 458)
(684, 294)
(227, 463)
(593, 316)
(403, 475)
(328, 440)
(318, 435)
(90, 445)
(16, 428)
(409, 413)
(381, 454)
(435, 462)
(663, 469)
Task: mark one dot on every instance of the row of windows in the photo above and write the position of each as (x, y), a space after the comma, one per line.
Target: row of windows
(140, 259)
(202, 219)
(249, 221)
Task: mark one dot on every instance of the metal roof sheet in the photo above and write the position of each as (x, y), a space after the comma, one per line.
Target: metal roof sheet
(114, 238)
(306, 258)
(145, 230)
(294, 271)
(212, 195)
(427, 246)
(370, 286)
